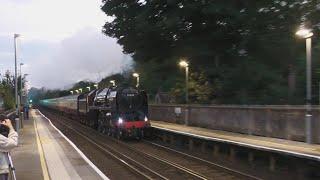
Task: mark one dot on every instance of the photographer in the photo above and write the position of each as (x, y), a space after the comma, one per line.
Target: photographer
(8, 140)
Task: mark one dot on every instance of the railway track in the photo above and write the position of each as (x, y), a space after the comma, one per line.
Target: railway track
(148, 160)
(161, 150)
(133, 165)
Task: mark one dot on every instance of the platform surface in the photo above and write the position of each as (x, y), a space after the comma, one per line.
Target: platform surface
(43, 153)
(26, 157)
(298, 149)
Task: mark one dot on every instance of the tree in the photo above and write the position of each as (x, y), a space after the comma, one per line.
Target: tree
(118, 78)
(7, 91)
(246, 48)
(199, 88)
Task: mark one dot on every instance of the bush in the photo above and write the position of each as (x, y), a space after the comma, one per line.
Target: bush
(8, 97)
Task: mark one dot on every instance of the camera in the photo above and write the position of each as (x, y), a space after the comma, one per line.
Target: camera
(4, 130)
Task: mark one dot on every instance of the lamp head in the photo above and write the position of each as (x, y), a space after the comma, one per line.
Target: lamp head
(135, 75)
(304, 33)
(183, 63)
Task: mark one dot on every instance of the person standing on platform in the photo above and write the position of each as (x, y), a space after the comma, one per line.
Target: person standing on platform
(8, 141)
(26, 111)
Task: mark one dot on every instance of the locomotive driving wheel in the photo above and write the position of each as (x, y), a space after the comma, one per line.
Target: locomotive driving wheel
(109, 131)
(119, 134)
(101, 127)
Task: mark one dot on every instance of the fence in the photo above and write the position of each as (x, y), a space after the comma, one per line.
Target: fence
(286, 122)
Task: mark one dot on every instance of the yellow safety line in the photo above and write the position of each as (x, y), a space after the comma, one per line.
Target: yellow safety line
(41, 154)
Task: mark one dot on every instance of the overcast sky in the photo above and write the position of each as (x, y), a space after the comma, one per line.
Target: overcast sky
(61, 41)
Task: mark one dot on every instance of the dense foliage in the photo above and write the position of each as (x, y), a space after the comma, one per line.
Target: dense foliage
(124, 78)
(7, 89)
(243, 52)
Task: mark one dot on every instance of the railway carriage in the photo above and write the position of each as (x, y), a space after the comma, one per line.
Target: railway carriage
(66, 104)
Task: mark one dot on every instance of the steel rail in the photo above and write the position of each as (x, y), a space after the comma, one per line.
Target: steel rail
(117, 157)
(182, 168)
(165, 161)
(205, 161)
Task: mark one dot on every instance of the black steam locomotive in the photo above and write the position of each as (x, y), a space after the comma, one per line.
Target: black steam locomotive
(117, 111)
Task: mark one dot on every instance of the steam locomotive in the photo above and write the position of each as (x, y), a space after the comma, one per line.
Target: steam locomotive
(121, 112)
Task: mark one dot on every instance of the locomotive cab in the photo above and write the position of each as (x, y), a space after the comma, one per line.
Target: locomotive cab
(99, 99)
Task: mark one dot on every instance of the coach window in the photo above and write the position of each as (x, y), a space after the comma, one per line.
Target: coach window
(112, 94)
(103, 93)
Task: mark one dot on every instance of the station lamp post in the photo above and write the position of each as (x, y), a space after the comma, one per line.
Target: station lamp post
(21, 64)
(185, 64)
(80, 89)
(136, 75)
(71, 92)
(21, 85)
(96, 86)
(307, 34)
(15, 36)
(88, 88)
(21, 92)
(113, 82)
(77, 91)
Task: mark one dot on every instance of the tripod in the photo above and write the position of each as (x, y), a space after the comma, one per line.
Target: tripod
(11, 168)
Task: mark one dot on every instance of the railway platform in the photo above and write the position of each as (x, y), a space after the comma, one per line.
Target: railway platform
(273, 145)
(45, 153)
